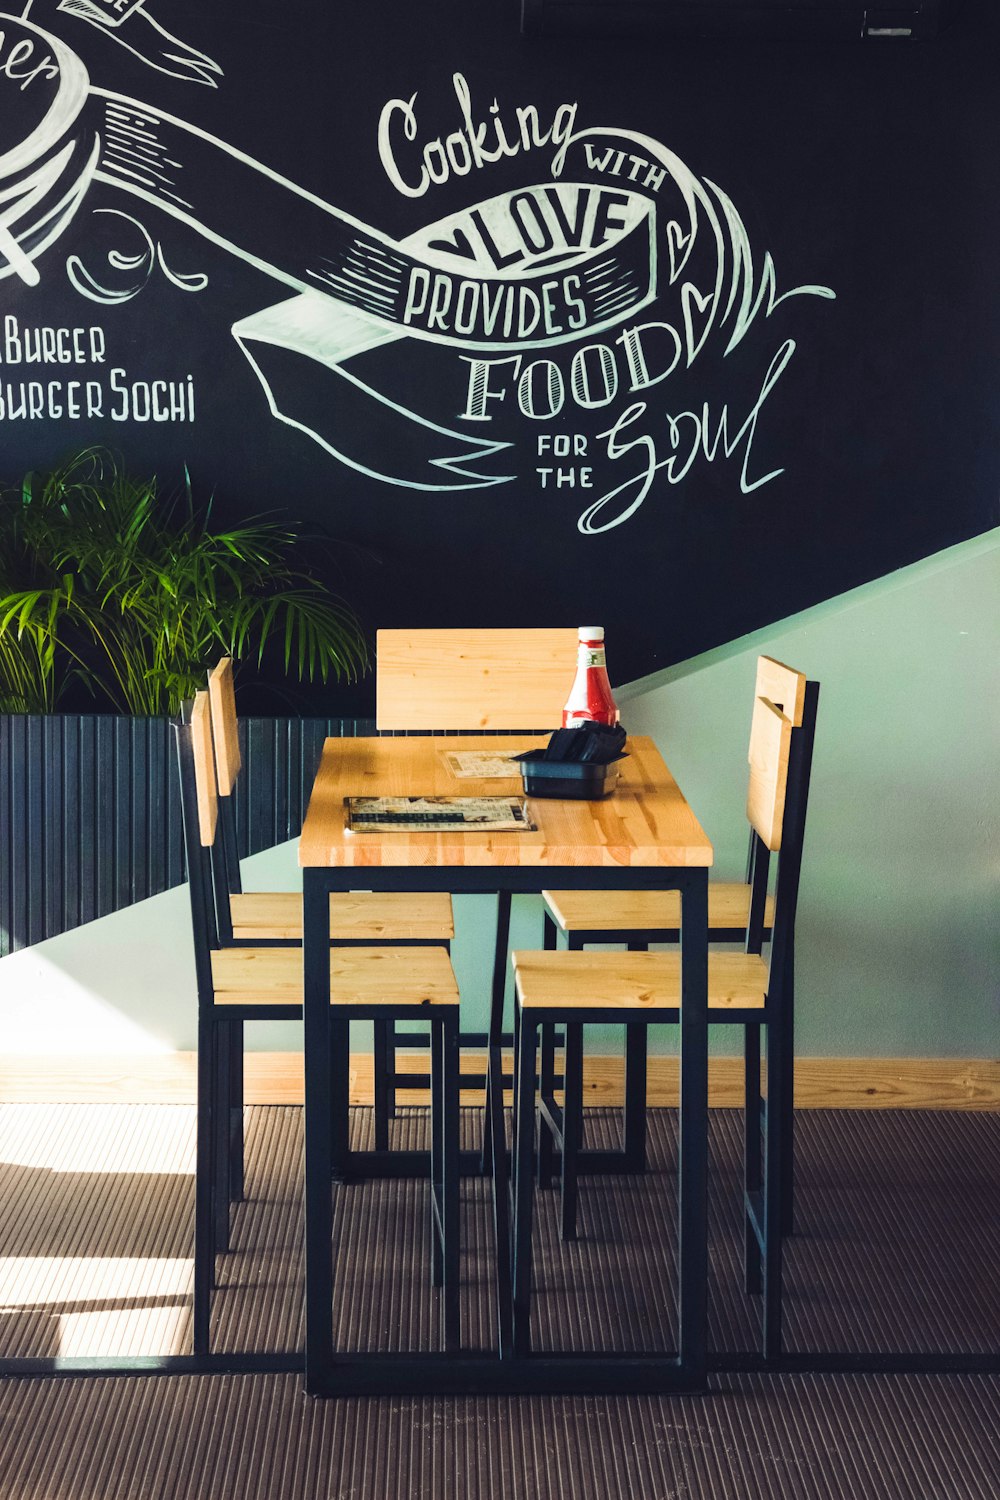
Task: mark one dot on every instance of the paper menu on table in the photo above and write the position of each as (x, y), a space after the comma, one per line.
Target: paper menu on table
(436, 815)
(481, 765)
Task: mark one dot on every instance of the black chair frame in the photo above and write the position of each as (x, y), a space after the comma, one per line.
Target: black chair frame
(219, 1169)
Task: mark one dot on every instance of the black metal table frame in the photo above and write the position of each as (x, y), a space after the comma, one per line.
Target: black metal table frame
(329, 1372)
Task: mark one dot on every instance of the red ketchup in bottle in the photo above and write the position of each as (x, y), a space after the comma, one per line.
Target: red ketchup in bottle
(590, 699)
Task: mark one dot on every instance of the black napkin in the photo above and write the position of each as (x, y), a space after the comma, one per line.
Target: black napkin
(597, 744)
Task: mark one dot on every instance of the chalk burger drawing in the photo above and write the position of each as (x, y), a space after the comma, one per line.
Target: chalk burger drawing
(611, 268)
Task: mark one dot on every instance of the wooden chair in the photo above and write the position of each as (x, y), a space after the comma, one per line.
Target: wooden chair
(571, 988)
(239, 982)
(262, 917)
(473, 682)
(579, 919)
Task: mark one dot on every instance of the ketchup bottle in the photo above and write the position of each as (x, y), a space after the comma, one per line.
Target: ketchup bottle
(590, 699)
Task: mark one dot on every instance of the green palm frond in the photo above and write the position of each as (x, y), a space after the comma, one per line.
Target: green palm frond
(134, 594)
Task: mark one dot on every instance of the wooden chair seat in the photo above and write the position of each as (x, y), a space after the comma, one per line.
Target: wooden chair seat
(366, 916)
(650, 911)
(363, 979)
(636, 982)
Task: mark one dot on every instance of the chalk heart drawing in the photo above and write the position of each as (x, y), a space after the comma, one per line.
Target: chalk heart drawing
(679, 246)
(565, 292)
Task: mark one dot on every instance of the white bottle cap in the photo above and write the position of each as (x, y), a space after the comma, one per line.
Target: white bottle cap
(591, 632)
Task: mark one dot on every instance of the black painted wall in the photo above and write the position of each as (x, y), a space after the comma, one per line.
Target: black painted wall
(746, 453)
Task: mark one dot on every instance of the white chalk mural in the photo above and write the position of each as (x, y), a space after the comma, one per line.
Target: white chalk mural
(566, 309)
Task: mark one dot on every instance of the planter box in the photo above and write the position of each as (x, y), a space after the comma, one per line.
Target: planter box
(90, 813)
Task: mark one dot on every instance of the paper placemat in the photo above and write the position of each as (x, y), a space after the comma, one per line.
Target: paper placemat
(436, 815)
(481, 765)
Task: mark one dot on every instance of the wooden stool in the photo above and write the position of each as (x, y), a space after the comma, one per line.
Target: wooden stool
(637, 989)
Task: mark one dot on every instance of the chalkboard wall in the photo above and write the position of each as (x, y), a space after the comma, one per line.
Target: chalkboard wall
(679, 336)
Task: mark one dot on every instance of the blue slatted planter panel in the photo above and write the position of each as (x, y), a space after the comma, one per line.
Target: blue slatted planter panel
(90, 812)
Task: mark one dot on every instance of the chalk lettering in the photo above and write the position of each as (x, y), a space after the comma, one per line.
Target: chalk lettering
(42, 344)
(650, 352)
(477, 144)
(444, 304)
(519, 228)
(73, 400)
(157, 401)
(566, 478)
(22, 65)
(690, 435)
(562, 444)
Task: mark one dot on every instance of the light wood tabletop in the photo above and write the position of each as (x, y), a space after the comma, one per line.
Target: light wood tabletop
(646, 822)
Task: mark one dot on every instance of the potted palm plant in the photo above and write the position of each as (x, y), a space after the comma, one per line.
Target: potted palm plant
(107, 582)
(115, 593)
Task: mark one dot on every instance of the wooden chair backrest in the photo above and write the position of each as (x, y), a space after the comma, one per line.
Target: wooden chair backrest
(225, 731)
(782, 686)
(770, 744)
(473, 679)
(204, 769)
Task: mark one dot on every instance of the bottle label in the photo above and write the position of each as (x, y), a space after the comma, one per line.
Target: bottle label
(591, 700)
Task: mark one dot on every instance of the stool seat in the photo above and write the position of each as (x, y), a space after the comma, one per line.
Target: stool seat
(372, 916)
(649, 911)
(638, 982)
(417, 979)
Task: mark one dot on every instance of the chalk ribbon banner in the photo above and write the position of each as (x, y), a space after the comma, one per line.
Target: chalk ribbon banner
(541, 265)
(524, 270)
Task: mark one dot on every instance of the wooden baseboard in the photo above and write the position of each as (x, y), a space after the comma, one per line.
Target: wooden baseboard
(276, 1078)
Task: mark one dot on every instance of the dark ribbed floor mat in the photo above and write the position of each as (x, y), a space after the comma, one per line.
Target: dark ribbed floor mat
(258, 1438)
(896, 1247)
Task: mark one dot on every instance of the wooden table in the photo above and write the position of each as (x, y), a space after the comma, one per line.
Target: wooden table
(644, 837)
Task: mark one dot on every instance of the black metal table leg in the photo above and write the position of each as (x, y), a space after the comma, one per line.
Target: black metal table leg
(636, 1047)
(438, 1120)
(318, 1133)
(751, 1157)
(205, 1185)
(788, 1101)
(384, 1065)
(223, 1114)
(498, 990)
(524, 1160)
(547, 1072)
(774, 1149)
(339, 1093)
(497, 1136)
(546, 1089)
(572, 1126)
(693, 1170)
(450, 1182)
(236, 1095)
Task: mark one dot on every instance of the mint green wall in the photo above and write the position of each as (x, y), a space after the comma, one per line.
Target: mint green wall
(898, 938)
